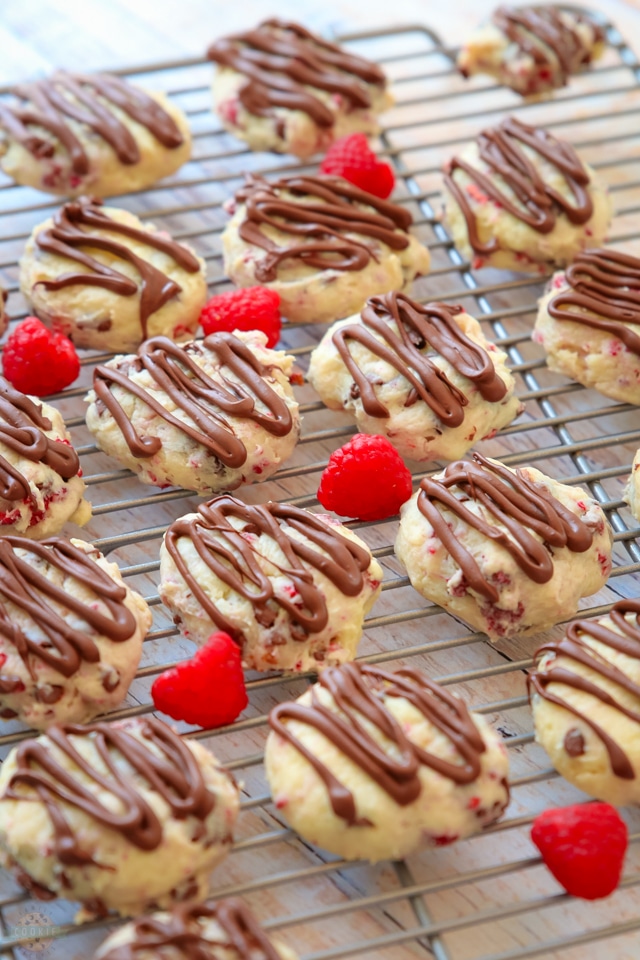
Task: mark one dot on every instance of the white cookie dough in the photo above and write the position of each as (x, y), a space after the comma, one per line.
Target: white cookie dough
(291, 587)
(632, 489)
(562, 540)
(420, 399)
(366, 728)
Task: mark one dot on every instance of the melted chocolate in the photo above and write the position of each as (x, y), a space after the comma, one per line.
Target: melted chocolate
(66, 238)
(359, 693)
(203, 400)
(88, 100)
(604, 292)
(231, 553)
(331, 211)
(174, 774)
(418, 328)
(536, 203)
(523, 506)
(281, 61)
(574, 646)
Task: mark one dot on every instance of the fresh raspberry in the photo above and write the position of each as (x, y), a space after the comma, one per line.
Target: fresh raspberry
(39, 361)
(365, 479)
(251, 308)
(583, 846)
(207, 690)
(352, 158)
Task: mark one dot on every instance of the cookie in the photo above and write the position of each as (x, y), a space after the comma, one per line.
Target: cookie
(221, 930)
(123, 816)
(323, 244)
(589, 323)
(74, 632)
(425, 377)
(280, 87)
(41, 485)
(509, 552)
(291, 587)
(207, 415)
(520, 199)
(376, 764)
(4, 319)
(632, 490)
(109, 281)
(75, 133)
(534, 50)
(585, 697)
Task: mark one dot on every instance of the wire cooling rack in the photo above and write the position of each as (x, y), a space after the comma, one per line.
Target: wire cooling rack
(487, 898)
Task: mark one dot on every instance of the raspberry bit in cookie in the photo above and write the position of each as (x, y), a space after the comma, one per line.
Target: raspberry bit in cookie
(366, 479)
(252, 308)
(39, 361)
(352, 158)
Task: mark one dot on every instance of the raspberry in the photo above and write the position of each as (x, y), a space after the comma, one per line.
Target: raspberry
(207, 690)
(365, 479)
(252, 308)
(352, 158)
(39, 361)
(583, 846)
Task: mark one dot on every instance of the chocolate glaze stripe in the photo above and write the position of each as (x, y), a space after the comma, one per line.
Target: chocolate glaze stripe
(203, 400)
(231, 553)
(538, 204)
(359, 693)
(521, 505)
(574, 646)
(418, 327)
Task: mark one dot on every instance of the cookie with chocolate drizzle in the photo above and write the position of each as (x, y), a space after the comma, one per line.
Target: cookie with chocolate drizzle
(509, 552)
(521, 199)
(376, 764)
(75, 133)
(281, 87)
(291, 587)
(632, 490)
(323, 244)
(122, 816)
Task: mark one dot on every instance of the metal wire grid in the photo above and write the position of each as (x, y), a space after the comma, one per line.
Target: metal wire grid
(399, 910)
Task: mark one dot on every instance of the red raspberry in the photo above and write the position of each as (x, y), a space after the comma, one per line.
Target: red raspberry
(583, 846)
(251, 308)
(207, 690)
(39, 361)
(365, 479)
(352, 158)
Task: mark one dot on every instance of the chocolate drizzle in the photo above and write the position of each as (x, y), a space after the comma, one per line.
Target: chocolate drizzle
(231, 553)
(66, 238)
(330, 212)
(418, 327)
(359, 692)
(88, 100)
(521, 505)
(574, 646)
(281, 61)
(174, 371)
(184, 931)
(604, 293)
(172, 772)
(536, 203)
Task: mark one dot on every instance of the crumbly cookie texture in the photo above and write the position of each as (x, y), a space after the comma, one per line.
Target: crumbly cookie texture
(374, 764)
(632, 490)
(41, 486)
(128, 281)
(589, 323)
(424, 377)
(126, 140)
(76, 632)
(206, 415)
(280, 87)
(325, 265)
(508, 552)
(585, 696)
(291, 587)
(123, 816)
(532, 230)
(221, 930)
(533, 49)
